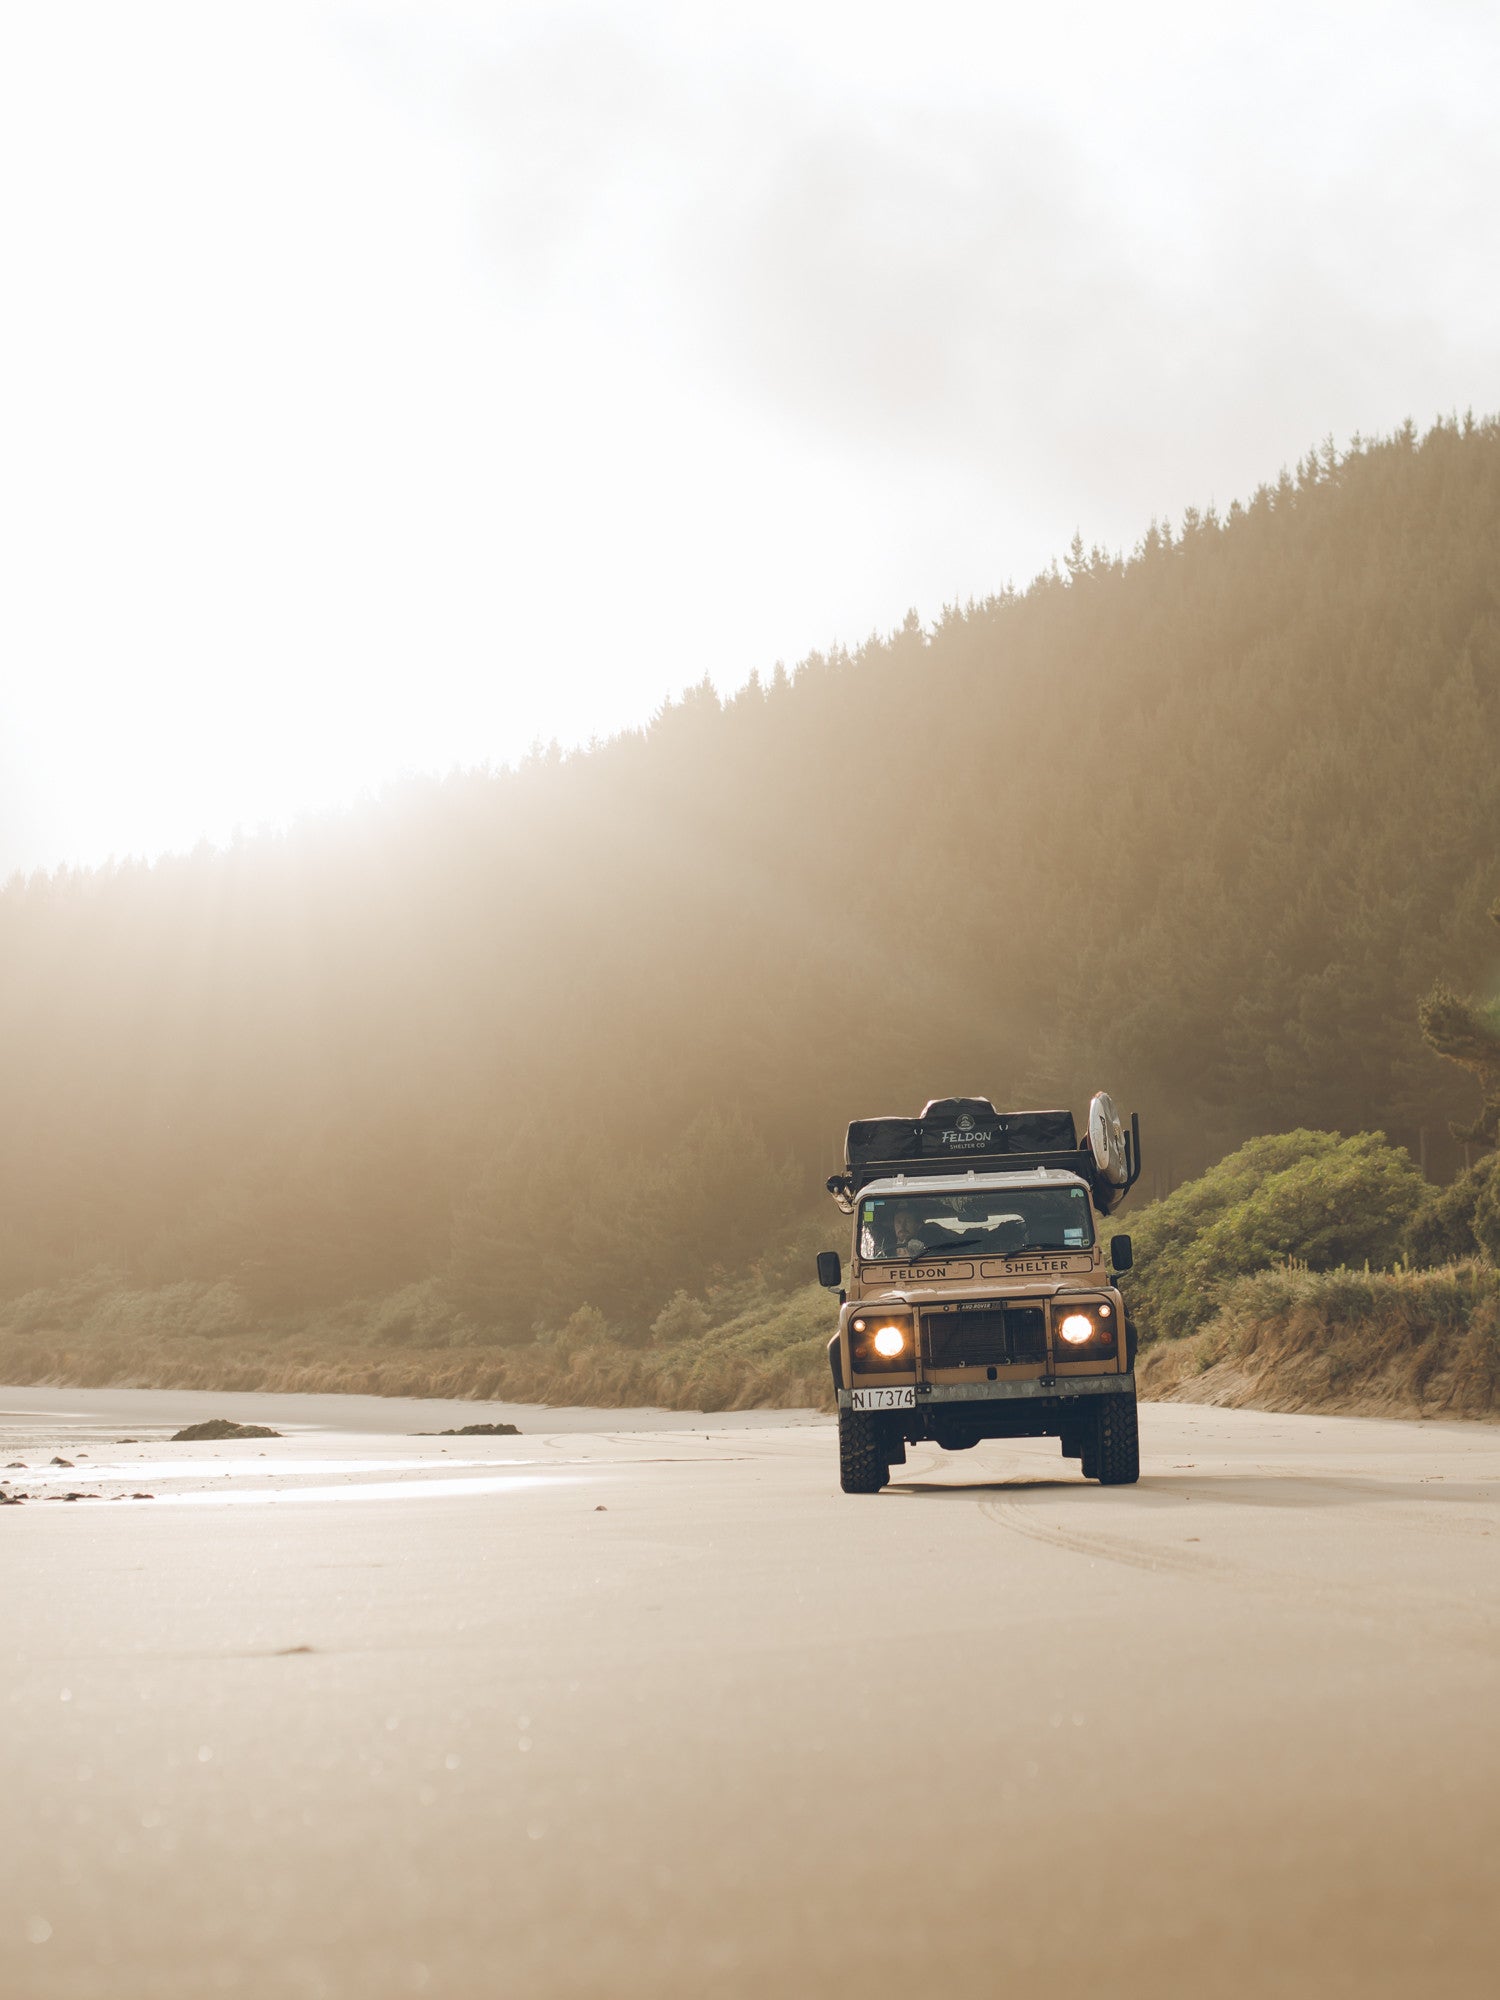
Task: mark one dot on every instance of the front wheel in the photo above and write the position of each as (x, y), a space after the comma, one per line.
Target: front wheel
(1117, 1455)
(863, 1465)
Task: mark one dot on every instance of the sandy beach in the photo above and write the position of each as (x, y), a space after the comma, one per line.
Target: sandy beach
(638, 1704)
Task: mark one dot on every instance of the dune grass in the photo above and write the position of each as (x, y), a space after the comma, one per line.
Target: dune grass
(1396, 1342)
(746, 1347)
(1373, 1343)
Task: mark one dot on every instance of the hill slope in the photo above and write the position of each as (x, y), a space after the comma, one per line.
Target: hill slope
(1200, 825)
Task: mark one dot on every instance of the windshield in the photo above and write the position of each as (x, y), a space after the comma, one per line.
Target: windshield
(994, 1223)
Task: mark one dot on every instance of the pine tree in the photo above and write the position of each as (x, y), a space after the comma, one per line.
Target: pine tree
(1468, 1033)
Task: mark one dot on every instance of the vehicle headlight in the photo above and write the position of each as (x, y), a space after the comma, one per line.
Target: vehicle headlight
(880, 1340)
(1090, 1325)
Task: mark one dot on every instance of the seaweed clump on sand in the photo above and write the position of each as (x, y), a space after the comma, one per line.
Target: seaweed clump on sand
(220, 1427)
(478, 1431)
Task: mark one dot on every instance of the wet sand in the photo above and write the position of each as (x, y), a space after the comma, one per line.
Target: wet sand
(636, 1704)
(117, 1411)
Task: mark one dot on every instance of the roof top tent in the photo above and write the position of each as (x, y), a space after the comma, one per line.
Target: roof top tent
(967, 1134)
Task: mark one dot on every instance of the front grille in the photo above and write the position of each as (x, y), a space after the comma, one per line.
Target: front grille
(984, 1336)
(1026, 1329)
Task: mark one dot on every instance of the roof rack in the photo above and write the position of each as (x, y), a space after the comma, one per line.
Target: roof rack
(955, 1135)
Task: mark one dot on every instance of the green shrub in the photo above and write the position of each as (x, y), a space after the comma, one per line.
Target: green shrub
(1486, 1223)
(1313, 1196)
(585, 1328)
(682, 1318)
(1447, 1226)
(419, 1315)
(59, 1306)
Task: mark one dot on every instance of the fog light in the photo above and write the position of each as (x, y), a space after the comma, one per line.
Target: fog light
(889, 1341)
(1076, 1329)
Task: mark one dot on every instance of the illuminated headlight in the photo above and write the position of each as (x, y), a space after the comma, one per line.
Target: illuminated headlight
(880, 1340)
(1091, 1325)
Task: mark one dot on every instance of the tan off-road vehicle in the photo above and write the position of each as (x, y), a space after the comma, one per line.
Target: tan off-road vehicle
(978, 1302)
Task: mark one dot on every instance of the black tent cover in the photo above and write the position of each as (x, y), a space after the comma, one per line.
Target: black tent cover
(959, 1128)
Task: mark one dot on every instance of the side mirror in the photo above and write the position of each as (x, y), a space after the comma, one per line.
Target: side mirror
(830, 1270)
(1121, 1255)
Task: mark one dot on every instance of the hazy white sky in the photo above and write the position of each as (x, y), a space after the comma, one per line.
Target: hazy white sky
(390, 385)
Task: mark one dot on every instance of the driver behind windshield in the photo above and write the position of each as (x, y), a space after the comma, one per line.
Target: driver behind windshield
(911, 1232)
(908, 1243)
(942, 1224)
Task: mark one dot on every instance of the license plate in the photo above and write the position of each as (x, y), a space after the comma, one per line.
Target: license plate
(885, 1399)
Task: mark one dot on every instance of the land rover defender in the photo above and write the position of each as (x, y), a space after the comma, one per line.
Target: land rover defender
(978, 1302)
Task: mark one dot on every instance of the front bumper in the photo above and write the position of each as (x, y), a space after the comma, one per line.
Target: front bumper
(1063, 1389)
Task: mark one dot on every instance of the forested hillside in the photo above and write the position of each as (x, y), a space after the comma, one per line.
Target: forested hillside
(1200, 825)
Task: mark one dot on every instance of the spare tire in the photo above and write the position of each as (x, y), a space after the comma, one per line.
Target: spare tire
(1107, 1139)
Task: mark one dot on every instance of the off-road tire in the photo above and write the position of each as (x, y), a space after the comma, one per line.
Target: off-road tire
(863, 1465)
(1119, 1447)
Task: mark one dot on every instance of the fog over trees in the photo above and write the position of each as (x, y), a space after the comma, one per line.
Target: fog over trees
(1201, 826)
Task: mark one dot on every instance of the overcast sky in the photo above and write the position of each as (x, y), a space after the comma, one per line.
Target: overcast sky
(389, 386)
